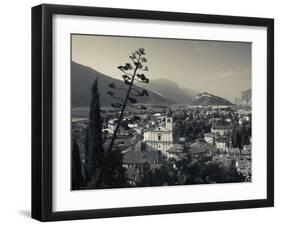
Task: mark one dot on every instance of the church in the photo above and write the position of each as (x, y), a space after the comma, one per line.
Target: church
(161, 137)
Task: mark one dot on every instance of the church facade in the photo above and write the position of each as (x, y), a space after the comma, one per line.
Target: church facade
(161, 137)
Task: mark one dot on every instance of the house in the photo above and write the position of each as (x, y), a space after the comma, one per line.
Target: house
(112, 123)
(138, 130)
(246, 150)
(210, 138)
(132, 125)
(182, 140)
(234, 152)
(247, 118)
(214, 120)
(133, 144)
(201, 148)
(221, 143)
(157, 115)
(229, 120)
(244, 166)
(240, 121)
(136, 161)
(220, 129)
(175, 152)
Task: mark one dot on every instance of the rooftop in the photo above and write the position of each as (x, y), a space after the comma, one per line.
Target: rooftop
(201, 146)
(140, 157)
(177, 148)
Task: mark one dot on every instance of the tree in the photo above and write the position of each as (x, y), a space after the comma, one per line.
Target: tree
(77, 180)
(114, 174)
(94, 142)
(205, 171)
(165, 175)
(178, 130)
(236, 138)
(189, 172)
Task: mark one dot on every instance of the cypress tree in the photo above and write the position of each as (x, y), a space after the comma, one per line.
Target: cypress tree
(94, 143)
(77, 180)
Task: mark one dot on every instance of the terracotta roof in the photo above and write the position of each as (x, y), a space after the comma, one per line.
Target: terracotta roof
(221, 139)
(210, 135)
(234, 151)
(156, 129)
(246, 151)
(140, 157)
(201, 146)
(177, 148)
(222, 127)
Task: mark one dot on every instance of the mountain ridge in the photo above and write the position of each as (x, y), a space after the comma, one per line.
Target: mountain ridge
(82, 78)
(206, 99)
(161, 91)
(171, 91)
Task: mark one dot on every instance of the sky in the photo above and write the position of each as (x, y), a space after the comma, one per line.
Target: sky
(217, 67)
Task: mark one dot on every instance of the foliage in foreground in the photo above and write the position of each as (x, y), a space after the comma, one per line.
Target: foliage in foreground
(187, 171)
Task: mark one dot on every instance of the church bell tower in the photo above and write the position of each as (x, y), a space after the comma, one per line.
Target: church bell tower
(169, 120)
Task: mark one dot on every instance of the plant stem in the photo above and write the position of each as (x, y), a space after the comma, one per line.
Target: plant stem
(119, 120)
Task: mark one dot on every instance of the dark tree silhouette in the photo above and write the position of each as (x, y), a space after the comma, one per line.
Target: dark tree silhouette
(178, 130)
(236, 138)
(77, 180)
(204, 171)
(114, 172)
(94, 142)
(165, 175)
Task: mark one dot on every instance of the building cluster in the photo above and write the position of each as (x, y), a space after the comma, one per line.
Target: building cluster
(146, 137)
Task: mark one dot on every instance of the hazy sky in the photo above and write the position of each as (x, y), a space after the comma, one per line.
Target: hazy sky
(220, 68)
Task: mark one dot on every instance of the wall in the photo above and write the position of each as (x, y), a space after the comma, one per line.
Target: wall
(15, 112)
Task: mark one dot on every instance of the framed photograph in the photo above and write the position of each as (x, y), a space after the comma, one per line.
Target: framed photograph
(146, 112)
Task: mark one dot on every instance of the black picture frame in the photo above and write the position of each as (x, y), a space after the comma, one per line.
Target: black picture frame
(42, 111)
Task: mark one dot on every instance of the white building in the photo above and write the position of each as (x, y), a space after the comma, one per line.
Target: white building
(221, 144)
(210, 138)
(161, 137)
(220, 129)
(112, 123)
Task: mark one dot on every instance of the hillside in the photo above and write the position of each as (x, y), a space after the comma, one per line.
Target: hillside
(171, 91)
(82, 78)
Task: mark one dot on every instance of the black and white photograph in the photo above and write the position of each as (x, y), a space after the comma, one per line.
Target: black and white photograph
(148, 111)
(139, 113)
(151, 112)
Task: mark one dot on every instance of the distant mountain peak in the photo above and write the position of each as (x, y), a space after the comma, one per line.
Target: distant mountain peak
(204, 94)
(210, 99)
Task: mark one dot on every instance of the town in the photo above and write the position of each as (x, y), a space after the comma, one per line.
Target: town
(153, 135)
